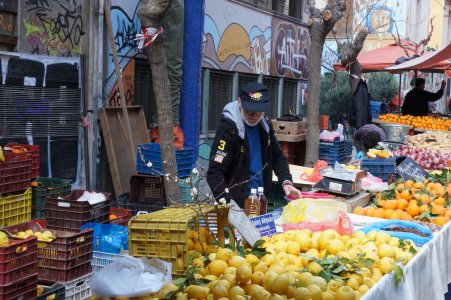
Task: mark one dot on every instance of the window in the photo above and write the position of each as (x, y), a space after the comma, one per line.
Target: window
(275, 5)
(289, 96)
(272, 83)
(220, 94)
(244, 79)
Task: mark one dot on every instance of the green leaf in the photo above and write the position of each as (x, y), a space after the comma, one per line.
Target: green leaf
(325, 275)
(241, 251)
(170, 295)
(202, 281)
(228, 246)
(367, 262)
(339, 269)
(179, 282)
(259, 252)
(399, 274)
(412, 250)
(258, 243)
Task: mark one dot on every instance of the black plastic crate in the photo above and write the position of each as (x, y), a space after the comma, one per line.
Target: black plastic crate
(56, 292)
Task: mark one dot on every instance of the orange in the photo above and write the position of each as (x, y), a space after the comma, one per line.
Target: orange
(448, 212)
(390, 204)
(399, 211)
(381, 202)
(406, 217)
(425, 199)
(416, 196)
(413, 210)
(34, 183)
(406, 195)
(402, 204)
(413, 202)
(424, 208)
(409, 183)
(379, 213)
(369, 211)
(440, 221)
(387, 213)
(401, 187)
(438, 209)
(359, 211)
(439, 201)
(113, 216)
(418, 185)
(394, 215)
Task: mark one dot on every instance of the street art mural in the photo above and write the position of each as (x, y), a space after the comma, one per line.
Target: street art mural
(126, 25)
(290, 47)
(51, 27)
(40, 104)
(236, 38)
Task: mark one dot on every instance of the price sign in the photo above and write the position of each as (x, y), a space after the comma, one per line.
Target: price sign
(7, 22)
(409, 169)
(265, 224)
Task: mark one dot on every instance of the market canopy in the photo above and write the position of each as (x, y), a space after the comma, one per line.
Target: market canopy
(379, 59)
(438, 61)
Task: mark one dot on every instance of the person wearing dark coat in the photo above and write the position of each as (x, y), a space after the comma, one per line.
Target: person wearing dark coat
(417, 100)
(245, 151)
(361, 107)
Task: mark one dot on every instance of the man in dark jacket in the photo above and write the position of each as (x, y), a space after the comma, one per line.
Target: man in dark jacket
(417, 100)
(361, 108)
(245, 150)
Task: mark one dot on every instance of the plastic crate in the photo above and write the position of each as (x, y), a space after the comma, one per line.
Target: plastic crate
(123, 215)
(15, 208)
(15, 172)
(383, 168)
(66, 251)
(147, 189)
(349, 148)
(134, 206)
(163, 234)
(24, 289)
(35, 157)
(151, 153)
(56, 292)
(276, 198)
(375, 109)
(18, 260)
(324, 122)
(79, 288)
(102, 259)
(47, 187)
(69, 214)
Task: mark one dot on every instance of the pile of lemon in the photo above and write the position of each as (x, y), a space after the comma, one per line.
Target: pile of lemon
(45, 236)
(290, 269)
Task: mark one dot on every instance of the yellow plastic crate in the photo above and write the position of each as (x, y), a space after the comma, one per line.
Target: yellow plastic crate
(15, 208)
(163, 234)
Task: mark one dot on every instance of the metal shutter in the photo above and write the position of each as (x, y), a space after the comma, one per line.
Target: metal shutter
(220, 95)
(289, 96)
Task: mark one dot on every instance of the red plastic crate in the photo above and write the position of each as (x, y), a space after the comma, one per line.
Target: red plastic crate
(66, 251)
(58, 275)
(18, 260)
(15, 172)
(24, 289)
(69, 214)
(123, 215)
(35, 157)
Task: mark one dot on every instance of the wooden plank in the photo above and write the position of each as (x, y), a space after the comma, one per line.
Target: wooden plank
(117, 148)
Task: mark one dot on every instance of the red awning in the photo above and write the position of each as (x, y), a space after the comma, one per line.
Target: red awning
(437, 61)
(378, 59)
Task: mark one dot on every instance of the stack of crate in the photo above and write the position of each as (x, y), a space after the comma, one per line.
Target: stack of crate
(332, 152)
(15, 191)
(64, 260)
(45, 187)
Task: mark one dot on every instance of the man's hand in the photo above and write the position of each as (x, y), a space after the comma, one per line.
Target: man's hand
(442, 86)
(359, 155)
(290, 190)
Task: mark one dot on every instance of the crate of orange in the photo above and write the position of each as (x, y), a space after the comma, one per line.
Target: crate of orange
(425, 201)
(120, 216)
(35, 156)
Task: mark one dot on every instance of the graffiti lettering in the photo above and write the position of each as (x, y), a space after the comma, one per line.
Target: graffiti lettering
(291, 46)
(53, 28)
(115, 97)
(124, 36)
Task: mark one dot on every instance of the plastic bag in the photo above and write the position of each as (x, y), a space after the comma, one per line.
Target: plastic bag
(387, 225)
(131, 277)
(110, 238)
(316, 175)
(316, 215)
(371, 183)
(329, 136)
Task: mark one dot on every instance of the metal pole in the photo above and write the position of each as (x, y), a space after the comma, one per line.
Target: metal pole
(399, 94)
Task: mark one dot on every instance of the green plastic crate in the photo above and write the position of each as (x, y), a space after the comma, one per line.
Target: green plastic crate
(47, 187)
(276, 198)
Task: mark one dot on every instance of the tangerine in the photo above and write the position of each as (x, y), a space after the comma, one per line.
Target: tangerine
(424, 208)
(439, 201)
(440, 221)
(369, 211)
(438, 209)
(387, 213)
(394, 216)
(379, 213)
(359, 211)
(425, 199)
(413, 210)
(406, 217)
(409, 183)
(390, 204)
(402, 204)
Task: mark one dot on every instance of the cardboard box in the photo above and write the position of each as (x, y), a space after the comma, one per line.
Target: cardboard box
(289, 128)
(290, 138)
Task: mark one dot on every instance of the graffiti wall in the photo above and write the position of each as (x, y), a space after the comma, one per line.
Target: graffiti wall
(51, 27)
(290, 48)
(40, 103)
(236, 38)
(126, 25)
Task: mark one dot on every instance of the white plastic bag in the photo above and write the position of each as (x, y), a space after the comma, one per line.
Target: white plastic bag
(131, 277)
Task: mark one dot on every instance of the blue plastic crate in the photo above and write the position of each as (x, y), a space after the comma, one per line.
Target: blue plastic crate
(348, 148)
(375, 108)
(383, 168)
(152, 153)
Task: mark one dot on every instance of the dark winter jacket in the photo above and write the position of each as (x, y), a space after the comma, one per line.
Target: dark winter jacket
(416, 102)
(361, 107)
(228, 169)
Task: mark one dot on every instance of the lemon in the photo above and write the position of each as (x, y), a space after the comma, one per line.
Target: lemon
(394, 242)
(385, 250)
(290, 235)
(277, 269)
(262, 294)
(258, 277)
(243, 274)
(328, 295)
(357, 295)
(228, 279)
(224, 254)
(301, 293)
(382, 237)
(315, 292)
(4, 241)
(314, 268)
(220, 291)
(237, 261)
(276, 297)
(368, 282)
(377, 274)
(386, 265)
(196, 292)
(293, 248)
(303, 240)
(365, 272)
(236, 291)
(345, 293)
(334, 246)
(318, 281)
(333, 285)
(357, 277)
(371, 235)
(352, 283)
(268, 259)
(281, 246)
(260, 266)
(251, 258)
(212, 256)
(363, 289)
(278, 237)
(269, 278)
(280, 285)
(230, 270)
(217, 267)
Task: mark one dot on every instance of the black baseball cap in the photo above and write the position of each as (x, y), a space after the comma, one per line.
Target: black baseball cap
(254, 97)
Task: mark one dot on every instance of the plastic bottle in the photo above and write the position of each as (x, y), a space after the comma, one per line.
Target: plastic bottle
(263, 200)
(252, 205)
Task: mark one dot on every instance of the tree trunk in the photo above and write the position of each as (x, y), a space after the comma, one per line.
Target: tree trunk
(150, 13)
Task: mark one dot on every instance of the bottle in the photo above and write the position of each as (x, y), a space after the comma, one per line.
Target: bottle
(252, 205)
(263, 200)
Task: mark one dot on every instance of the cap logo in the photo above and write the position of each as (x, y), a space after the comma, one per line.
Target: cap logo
(257, 96)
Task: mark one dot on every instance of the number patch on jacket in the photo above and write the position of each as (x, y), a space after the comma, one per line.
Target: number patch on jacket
(222, 144)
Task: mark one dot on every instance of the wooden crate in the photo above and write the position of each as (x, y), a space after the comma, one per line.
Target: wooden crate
(289, 128)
